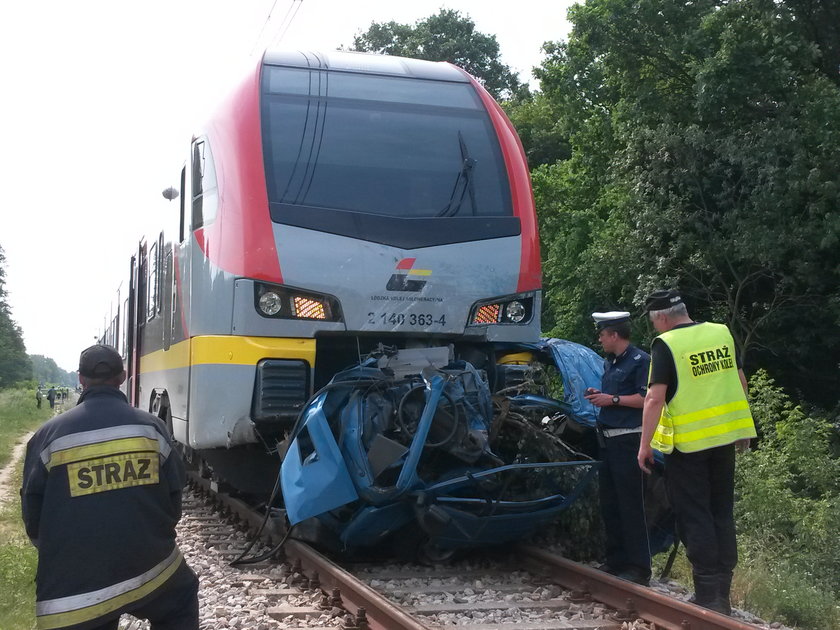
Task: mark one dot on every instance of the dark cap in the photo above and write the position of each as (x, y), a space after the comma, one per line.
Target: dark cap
(662, 299)
(611, 318)
(100, 362)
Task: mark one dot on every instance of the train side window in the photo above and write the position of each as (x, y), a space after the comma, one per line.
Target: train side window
(152, 282)
(161, 273)
(183, 230)
(124, 330)
(113, 331)
(204, 191)
(142, 284)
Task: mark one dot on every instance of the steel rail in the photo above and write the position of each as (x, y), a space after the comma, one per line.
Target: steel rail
(379, 613)
(382, 614)
(665, 612)
(357, 598)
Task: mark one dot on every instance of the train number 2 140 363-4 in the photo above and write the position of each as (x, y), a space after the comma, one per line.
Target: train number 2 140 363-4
(403, 319)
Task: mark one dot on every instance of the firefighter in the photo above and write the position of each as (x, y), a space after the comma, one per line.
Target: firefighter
(695, 412)
(619, 427)
(101, 496)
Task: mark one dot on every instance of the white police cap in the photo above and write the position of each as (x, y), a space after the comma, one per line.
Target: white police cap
(611, 318)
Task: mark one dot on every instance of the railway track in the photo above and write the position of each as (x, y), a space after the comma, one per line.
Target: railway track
(528, 589)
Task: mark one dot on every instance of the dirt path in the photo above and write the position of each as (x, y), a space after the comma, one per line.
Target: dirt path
(6, 489)
(6, 473)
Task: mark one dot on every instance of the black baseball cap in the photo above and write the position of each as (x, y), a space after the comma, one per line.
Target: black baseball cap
(662, 299)
(100, 361)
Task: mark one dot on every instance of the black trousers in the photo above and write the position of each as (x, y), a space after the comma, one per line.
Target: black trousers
(701, 487)
(173, 607)
(622, 485)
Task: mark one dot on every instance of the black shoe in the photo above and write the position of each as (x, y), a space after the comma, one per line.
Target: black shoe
(718, 605)
(707, 594)
(638, 576)
(608, 568)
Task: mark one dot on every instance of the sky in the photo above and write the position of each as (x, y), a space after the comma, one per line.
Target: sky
(100, 100)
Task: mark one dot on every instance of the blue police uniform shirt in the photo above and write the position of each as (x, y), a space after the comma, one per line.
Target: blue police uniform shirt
(624, 375)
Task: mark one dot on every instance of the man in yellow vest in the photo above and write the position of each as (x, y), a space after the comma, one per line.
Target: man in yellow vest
(695, 412)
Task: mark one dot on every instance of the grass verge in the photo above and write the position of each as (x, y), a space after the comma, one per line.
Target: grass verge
(770, 589)
(780, 591)
(18, 414)
(18, 558)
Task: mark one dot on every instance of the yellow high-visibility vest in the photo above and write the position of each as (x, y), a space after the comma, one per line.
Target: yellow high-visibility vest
(709, 407)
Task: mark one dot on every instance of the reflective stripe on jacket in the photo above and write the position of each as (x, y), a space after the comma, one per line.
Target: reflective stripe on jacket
(75, 609)
(709, 407)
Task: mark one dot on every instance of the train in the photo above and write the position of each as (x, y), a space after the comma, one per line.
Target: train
(343, 214)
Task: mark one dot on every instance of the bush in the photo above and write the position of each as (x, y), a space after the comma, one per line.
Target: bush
(782, 592)
(791, 563)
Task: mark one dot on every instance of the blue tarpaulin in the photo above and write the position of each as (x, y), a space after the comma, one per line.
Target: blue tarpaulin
(580, 367)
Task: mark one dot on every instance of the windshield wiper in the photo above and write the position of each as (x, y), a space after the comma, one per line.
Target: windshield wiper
(465, 180)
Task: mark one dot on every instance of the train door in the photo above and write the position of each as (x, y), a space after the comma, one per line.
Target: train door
(179, 327)
(131, 336)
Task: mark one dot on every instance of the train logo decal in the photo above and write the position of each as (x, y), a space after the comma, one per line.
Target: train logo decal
(406, 277)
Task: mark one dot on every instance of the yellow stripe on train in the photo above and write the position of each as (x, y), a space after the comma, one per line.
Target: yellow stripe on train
(227, 350)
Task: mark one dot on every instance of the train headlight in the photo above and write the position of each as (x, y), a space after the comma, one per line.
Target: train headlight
(270, 303)
(515, 311)
(279, 302)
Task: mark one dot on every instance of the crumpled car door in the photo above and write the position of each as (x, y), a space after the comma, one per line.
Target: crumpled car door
(314, 476)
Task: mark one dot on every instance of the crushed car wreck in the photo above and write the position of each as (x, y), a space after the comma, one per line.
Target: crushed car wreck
(409, 452)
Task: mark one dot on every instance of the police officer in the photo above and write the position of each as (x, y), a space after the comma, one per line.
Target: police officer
(101, 497)
(620, 399)
(695, 412)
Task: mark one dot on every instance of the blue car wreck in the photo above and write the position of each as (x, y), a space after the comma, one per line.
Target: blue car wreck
(409, 453)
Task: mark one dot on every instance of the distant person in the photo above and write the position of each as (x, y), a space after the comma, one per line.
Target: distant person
(51, 397)
(38, 397)
(619, 427)
(695, 412)
(101, 497)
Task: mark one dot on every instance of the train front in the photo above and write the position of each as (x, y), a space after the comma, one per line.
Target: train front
(362, 200)
(400, 209)
(375, 222)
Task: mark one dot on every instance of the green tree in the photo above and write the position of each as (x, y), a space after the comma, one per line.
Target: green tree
(705, 138)
(445, 36)
(45, 370)
(14, 363)
(539, 127)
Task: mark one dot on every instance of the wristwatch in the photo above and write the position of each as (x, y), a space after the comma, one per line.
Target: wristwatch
(616, 400)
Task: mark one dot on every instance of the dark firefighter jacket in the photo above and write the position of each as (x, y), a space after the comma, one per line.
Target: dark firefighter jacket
(101, 497)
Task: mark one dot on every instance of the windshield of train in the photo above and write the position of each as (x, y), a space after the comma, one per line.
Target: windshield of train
(380, 145)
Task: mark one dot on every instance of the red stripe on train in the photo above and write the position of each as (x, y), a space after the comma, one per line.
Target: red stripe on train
(530, 269)
(248, 248)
